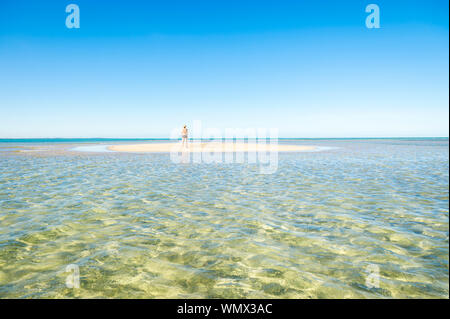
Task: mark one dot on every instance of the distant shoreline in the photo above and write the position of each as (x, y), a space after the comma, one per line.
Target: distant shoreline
(91, 140)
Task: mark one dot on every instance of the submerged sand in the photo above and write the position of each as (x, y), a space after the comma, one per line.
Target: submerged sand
(209, 147)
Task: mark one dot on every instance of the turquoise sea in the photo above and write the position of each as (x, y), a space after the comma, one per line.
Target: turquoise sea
(362, 218)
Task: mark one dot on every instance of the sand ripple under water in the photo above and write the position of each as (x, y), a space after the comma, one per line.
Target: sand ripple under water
(140, 226)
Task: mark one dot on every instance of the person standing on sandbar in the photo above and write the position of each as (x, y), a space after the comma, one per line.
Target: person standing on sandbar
(184, 137)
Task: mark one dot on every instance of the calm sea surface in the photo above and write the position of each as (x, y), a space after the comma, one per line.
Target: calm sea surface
(364, 219)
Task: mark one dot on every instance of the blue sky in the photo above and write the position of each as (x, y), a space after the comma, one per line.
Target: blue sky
(139, 69)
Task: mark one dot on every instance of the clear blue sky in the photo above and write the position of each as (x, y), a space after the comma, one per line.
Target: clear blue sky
(141, 68)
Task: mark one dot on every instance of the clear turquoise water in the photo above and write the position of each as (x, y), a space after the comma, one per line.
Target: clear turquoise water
(139, 226)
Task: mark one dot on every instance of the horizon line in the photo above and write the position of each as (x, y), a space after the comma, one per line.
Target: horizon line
(223, 138)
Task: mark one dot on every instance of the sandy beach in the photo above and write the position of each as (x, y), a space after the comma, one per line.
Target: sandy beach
(209, 147)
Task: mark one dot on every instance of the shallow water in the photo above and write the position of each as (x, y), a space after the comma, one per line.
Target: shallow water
(140, 226)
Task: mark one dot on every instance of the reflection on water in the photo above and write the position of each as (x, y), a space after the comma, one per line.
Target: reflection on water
(139, 226)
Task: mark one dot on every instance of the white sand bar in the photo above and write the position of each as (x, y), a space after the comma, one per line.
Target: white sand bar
(209, 147)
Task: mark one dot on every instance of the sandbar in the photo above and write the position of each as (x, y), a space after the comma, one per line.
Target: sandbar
(209, 147)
